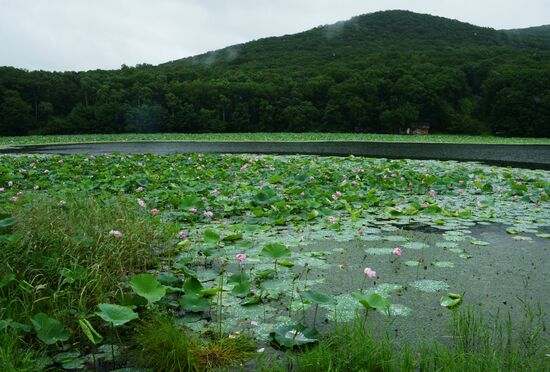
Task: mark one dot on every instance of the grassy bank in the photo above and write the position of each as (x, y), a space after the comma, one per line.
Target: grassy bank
(287, 137)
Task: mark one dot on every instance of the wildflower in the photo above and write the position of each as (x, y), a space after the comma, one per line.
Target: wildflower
(519, 183)
(155, 212)
(432, 193)
(260, 350)
(36, 187)
(141, 203)
(193, 210)
(60, 161)
(253, 322)
(302, 194)
(397, 252)
(208, 214)
(338, 193)
(215, 192)
(244, 167)
(46, 171)
(10, 183)
(139, 189)
(61, 203)
(370, 272)
(461, 191)
(354, 182)
(241, 257)
(14, 198)
(334, 197)
(116, 234)
(182, 235)
(2, 189)
(262, 183)
(394, 174)
(425, 204)
(331, 219)
(199, 167)
(361, 231)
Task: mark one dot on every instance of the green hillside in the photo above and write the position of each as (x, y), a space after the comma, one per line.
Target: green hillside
(377, 72)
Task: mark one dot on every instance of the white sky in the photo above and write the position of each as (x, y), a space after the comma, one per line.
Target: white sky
(90, 34)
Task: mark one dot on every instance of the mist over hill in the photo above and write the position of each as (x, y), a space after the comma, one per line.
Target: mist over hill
(376, 72)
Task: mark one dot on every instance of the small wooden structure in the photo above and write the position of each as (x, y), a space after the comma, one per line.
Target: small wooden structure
(416, 128)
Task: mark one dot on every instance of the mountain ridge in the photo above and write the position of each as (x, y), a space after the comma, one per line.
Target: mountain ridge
(371, 27)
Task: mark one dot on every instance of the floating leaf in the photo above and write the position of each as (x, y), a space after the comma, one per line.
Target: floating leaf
(292, 335)
(451, 300)
(479, 242)
(194, 303)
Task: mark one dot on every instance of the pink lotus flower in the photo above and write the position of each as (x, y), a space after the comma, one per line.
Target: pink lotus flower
(182, 235)
(155, 212)
(331, 219)
(241, 257)
(116, 234)
(397, 252)
(432, 193)
(369, 272)
(141, 203)
(208, 214)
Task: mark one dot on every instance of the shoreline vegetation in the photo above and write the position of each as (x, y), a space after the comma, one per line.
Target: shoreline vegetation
(9, 141)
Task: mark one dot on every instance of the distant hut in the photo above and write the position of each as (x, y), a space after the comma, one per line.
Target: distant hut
(416, 128)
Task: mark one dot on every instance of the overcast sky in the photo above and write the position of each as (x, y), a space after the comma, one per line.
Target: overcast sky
(89, 34)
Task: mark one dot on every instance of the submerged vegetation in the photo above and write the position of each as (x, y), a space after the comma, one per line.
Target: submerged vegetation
(196, 262)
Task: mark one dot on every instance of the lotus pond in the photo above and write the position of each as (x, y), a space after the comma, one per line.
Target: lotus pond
(256, 253)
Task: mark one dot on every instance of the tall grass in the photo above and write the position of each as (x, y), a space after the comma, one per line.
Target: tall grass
(64, 258)
(476, 345)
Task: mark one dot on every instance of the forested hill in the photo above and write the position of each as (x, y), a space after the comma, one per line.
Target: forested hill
(365, 35)
(377, 72)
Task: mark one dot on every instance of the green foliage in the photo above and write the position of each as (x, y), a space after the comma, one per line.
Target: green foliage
(378, 72)
(162, 346)
(147, 286)
(115, 314)
(49, 330)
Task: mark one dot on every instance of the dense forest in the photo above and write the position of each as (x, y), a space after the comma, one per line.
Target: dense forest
(373, 73)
